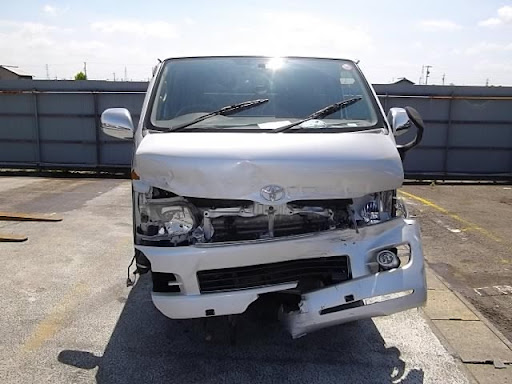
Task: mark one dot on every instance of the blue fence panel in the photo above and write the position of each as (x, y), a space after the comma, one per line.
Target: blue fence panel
(45, 123)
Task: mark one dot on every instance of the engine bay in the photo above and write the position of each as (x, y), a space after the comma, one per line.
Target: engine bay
(168, 220)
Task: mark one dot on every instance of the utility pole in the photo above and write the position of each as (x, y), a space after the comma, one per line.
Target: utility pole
(487, 82)
(114, 74)
(125, 74)
(427, 73)
(444, 74)
(47, 73)
(85, 69)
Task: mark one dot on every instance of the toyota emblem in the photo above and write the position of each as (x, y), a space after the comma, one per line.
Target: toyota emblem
(272, 192)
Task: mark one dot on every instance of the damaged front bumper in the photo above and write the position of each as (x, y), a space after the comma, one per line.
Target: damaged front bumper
(382, 293)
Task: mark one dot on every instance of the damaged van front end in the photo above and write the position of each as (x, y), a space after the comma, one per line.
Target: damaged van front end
(259, 177)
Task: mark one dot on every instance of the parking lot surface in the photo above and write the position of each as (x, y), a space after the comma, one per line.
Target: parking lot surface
(467, 239)
(69, 318)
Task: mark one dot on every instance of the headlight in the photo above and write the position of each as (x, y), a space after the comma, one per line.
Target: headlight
(378, 208)
(166, 219)
(177, 219)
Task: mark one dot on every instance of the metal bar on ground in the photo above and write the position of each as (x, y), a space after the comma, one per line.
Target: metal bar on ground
(20, 216)
(4, 238)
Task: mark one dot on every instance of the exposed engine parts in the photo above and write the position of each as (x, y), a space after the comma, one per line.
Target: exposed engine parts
(175, 221)
(165, 219)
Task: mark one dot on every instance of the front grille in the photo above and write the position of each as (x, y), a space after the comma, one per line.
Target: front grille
(327, 270)
(253, 228)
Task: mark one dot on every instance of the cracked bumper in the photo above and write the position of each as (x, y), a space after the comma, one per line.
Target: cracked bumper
(318, 309)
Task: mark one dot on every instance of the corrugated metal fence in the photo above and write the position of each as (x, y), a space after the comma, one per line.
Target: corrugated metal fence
(55, 124)
(468, 130)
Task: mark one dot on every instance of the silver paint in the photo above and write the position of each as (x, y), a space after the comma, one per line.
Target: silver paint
(227, 165)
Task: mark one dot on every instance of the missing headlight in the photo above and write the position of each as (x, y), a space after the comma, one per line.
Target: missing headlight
(178, 219)
(168, 220)
(378, 208)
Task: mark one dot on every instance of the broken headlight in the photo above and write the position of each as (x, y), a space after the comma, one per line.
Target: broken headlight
(177, 219)
(166, 219)
(378, 208)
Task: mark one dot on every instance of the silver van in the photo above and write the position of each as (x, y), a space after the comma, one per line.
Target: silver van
(272, 179)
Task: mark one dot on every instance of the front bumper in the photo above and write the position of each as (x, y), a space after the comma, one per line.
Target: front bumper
(317, 309)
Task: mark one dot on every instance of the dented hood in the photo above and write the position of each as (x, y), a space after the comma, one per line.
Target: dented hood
(238, 165)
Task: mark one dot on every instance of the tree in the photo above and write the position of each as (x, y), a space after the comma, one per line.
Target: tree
(80, 76)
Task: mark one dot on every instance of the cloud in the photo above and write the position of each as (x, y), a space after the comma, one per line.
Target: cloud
(491, 70)
(486, 47)
(504, 18)
(32, 45)
(189, 21)
(439, 25)
(16, 37)
(491, 22)
(307, 33)
(286, 34)
(27, 29)
(157, 29)
(108, 45)
(50, 10)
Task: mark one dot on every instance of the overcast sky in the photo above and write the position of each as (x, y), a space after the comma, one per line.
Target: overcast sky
(468, 41)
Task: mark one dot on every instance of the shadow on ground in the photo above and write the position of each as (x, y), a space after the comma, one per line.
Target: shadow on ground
(146, 347)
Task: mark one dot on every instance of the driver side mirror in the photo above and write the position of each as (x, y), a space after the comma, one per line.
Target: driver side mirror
(117, 122)
(401, 119)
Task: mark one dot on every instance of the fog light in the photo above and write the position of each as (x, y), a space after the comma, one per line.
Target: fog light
(388, 260)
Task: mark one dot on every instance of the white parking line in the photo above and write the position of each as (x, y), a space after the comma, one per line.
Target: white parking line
(495, 290)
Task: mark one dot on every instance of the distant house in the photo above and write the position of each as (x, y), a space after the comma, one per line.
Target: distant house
(404, 80)
(10, 73)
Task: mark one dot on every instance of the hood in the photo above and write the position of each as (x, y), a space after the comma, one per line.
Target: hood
(224, 165)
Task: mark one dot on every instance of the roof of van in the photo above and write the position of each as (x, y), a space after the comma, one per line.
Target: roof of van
(265, 56)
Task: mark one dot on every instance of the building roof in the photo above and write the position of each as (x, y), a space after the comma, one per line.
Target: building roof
(404, 80)
(16, 71)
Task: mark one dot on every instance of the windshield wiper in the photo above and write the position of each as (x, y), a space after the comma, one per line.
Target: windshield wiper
(329, 110)
(224, 111)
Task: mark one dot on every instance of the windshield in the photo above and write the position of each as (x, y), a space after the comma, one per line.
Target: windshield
(295, 88)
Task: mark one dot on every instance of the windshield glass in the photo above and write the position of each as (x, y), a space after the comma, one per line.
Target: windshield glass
(295, 88)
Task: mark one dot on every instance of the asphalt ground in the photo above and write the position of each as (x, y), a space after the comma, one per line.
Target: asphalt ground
(467, 240)
(67, 316)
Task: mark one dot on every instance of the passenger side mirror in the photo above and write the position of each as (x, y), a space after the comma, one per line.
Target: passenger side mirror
(401, 119)
(117, 122)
